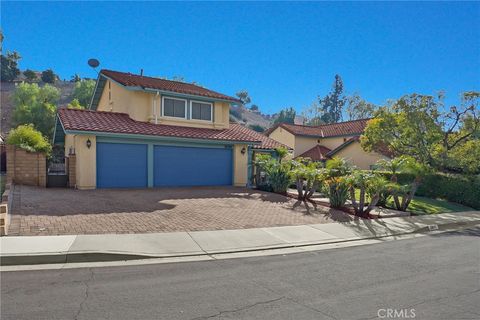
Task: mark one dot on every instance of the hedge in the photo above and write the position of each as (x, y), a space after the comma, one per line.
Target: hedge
(452, 187)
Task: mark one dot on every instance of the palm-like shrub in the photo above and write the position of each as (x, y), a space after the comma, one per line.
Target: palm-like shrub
(403, 193)
(370, 187)
(308, 177)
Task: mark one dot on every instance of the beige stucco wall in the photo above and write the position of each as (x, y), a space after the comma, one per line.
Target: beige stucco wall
(86, 159)
(283, 136)
(333, 142)
(355, 155)
(303, 144)
(86, 166)
(240, 165)
(139, 105)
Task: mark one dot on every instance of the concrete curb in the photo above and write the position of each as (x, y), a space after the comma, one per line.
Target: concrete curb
(66, 255)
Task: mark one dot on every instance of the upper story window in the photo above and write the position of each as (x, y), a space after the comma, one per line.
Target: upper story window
(173, 107)
(201, 110)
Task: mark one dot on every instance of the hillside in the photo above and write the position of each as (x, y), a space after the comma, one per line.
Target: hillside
(237, 114)
(250, 118)
(6, 91)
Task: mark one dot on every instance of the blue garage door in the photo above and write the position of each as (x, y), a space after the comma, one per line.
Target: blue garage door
(121, 165)
(183, 166)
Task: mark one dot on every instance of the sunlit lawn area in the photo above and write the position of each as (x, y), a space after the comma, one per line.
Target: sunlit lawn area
(422, 205)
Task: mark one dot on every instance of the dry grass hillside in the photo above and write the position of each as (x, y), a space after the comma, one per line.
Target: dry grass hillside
(250, 118)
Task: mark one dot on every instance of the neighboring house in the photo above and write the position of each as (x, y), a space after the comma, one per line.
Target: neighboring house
(323, 142)
(149, 132)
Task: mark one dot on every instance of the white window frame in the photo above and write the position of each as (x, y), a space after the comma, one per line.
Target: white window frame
(202, 102)
(171, 117)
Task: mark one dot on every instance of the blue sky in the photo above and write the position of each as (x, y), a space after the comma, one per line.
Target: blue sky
(284, 54)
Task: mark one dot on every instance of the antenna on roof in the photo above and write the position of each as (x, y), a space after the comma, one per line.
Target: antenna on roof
(93, 63)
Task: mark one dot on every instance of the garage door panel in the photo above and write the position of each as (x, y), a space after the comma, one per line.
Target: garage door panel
(121, 165)
(186, 166)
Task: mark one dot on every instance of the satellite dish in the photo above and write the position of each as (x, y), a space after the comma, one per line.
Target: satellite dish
(93, 63)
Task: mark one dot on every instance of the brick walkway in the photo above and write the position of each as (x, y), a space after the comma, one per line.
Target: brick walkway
(40, 211)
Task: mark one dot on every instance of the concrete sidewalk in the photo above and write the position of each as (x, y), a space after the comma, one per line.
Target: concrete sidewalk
(110, 247)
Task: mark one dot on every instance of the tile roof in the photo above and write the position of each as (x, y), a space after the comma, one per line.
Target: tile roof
(353, 127)
(134, 80)
(112, 122)
(317, 153)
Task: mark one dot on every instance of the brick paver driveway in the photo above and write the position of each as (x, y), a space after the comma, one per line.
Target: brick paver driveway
(38, 211)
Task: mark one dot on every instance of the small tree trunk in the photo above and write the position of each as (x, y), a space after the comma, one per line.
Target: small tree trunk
(396, 200)
(410, 195)
(301, 196)
(372, 204)
(312, 189)
(354, 201)
(362, 199)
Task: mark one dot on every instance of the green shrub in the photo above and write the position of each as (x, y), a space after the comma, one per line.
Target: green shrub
(279, 178)
(337, 191)
(26, 137)
(452, 187)
(277, 174)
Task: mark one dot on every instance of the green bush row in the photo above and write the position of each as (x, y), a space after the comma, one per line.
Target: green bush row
(455, 188)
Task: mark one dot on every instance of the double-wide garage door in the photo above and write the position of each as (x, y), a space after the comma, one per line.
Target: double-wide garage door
(123, 165)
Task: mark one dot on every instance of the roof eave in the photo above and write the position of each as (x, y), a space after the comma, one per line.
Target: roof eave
(166, 92)
(158, 138)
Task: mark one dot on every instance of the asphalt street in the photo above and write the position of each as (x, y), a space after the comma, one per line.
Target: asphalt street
(432, 277)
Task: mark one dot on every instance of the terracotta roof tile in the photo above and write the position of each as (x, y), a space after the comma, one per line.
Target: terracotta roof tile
(134, 80)
(112, 122)
(317, 153)
(353, 127)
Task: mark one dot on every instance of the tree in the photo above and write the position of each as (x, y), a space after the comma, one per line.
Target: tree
(313, 115)
(48, 76)
(9, 66)
(35, 105)
(333, 103)
(30, 75)
(403, 193)
(257, 127)
(287, 115)
(83, 91)
(370, 186)
(254, 107)
(328, 109)
(416, 125)
(74, 104)
(308, 177)
(75, 78)
(244, 97)
(358, 108)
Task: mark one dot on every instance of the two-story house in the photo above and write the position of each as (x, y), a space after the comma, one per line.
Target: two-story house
(143, 132)
(323, 142)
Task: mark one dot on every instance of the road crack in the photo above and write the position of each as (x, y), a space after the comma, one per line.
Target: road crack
(239, 309)
(87, 292)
